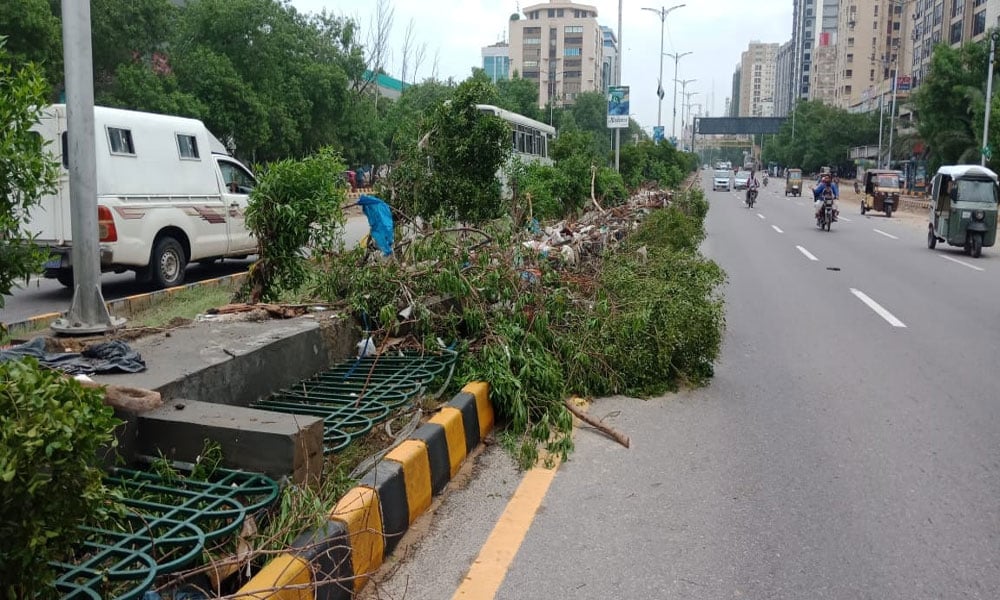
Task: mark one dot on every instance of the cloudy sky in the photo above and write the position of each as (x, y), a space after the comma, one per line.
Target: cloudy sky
(715, 31)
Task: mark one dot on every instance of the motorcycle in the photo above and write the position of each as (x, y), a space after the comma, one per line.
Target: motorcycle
(825, 217)
(751, 198)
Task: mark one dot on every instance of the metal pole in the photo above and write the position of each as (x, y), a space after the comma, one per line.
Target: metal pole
(659, 85)
(881, 111)
(88, 312)
(989, 96)
(618, 81)
(673, 128)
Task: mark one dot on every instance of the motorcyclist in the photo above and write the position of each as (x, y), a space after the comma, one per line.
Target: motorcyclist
(752, 185)
(765, 179)
(825, 184)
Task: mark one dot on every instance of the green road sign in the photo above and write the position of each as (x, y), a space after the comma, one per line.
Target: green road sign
(987, 152)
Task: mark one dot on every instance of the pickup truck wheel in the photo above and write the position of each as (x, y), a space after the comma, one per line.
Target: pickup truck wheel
(65, 277)
(167, 263)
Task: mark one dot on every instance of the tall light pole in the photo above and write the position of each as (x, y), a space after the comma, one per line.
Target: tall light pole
(684, 83)
(686, 110)
(994, 37)
(663, 12)
(618, 81)
(677, 58)
(892, 111)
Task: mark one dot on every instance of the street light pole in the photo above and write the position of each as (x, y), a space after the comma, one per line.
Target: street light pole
(994, 37)
(618, 81)
(677, 58)
(663, 12)
(892, 111)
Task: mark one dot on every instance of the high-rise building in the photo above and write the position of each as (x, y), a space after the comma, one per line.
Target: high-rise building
(609, 68)
(734, 102)
(783, 81)
(952, 22)
(559, 45)
(803, 38)
(823, 79)
(757, 75)
(496, 61)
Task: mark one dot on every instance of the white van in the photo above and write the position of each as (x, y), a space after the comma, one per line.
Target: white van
(168, 194)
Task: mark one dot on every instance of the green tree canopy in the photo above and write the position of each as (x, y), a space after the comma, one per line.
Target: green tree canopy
(822, 136)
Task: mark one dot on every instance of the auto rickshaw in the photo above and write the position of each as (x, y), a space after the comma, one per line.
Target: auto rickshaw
(963, 208)
(882, 189)
(793, 182)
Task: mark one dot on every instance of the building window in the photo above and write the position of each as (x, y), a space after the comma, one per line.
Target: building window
(552, 13)
(120, 141)
(850, 58)
(850, 42)
(847, 89)
(956, 9)
(532, 41)
(537, 30)
(571, 52)
(573, 28)
(979, 23)
(956, 33)
(559, 13)
(572, 74)
(849, 73)
(530, 63)
(573, 41)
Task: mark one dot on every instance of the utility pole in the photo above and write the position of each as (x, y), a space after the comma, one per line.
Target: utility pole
(88, 313)
(618, 81)
(994, 37)
(892, 111)
(663, 12)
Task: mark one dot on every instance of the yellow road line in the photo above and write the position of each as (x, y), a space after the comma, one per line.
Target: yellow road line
(490, 567)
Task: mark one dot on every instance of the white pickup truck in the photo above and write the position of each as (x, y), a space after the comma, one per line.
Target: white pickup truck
(168, 194)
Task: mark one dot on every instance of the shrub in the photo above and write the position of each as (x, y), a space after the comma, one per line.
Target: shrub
(295, 206)
(51, 432)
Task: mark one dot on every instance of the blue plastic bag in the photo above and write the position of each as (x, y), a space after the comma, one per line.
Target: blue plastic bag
(380, 221)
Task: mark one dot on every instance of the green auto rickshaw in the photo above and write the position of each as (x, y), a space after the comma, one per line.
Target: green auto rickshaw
(793, 182)
(963, 208)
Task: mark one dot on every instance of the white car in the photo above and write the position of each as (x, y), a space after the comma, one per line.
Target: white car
(720, 181)
(741, 180)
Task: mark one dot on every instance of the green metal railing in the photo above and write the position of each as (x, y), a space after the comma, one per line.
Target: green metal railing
(169, 522)
(358, 394)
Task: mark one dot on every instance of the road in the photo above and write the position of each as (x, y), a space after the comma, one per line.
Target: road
(848, 446)
(41, 296)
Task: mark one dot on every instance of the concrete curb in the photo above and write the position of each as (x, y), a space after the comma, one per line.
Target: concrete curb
(125, 307)
(333, 562)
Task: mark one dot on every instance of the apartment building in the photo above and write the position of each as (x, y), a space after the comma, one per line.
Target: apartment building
(803, 34)
(559, 45)
(734, 100)
(496, 61)
(609, 67)
(952, 22)
(757, 67)
(783, 81)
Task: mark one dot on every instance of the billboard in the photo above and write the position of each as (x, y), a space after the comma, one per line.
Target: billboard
(903, 83)
(618, 109)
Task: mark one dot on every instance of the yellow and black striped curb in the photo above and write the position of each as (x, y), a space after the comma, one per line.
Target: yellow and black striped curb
(333, 562)
(125, 307)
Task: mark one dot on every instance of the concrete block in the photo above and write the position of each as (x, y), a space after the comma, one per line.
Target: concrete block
(275, 444)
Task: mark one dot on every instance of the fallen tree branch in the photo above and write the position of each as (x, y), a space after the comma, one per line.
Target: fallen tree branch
(611, 432)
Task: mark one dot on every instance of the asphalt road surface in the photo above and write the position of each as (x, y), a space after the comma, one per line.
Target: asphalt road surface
(848, 446)
(41, 296)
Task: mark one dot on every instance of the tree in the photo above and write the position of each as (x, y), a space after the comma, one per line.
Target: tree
(823, 136)
(950, 103)
(519, 95)
(34, 35)
(453, 169)
(27, 172)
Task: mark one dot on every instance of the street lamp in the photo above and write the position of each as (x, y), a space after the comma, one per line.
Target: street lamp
(677, 58)
(663, 12)
(686, 109)
(994, 38)
(684, 83)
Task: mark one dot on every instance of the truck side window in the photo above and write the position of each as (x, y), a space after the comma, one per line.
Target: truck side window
(187, 146)
(236, 179)
(121, 141)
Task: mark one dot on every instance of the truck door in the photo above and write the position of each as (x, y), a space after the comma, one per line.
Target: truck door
(236, 184)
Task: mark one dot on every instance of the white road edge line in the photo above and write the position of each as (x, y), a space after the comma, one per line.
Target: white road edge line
(888, 235)
(776, 228)
(888, 316)
(961, 262)
(806, 253)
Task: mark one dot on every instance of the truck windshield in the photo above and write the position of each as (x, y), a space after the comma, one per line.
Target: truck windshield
(972, 190)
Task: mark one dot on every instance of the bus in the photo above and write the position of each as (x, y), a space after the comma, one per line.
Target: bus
(530, 139)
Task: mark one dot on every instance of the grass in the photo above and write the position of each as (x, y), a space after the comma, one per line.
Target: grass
(184, 304)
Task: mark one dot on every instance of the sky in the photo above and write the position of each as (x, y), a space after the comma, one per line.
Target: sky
(716, 32)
